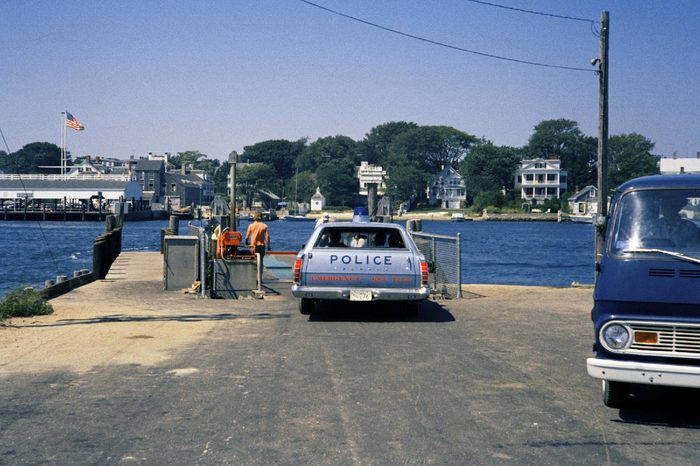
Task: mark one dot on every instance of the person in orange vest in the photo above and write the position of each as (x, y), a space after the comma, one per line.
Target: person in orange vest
(258, 236)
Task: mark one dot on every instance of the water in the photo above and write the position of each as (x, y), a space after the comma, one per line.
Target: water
(523, 253)
(509, 253)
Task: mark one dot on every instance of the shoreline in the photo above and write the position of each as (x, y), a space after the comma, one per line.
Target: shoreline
(446, 217)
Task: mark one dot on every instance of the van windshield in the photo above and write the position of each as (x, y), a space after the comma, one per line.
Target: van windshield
(660, 219)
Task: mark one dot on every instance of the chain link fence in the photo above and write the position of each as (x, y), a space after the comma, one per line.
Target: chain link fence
(443, 254)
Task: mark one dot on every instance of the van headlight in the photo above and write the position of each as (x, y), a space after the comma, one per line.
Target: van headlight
(615, 336)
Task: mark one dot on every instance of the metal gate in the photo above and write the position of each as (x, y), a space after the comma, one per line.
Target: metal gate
(444, 255)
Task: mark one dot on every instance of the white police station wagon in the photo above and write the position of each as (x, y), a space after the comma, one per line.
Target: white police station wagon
(360, 261)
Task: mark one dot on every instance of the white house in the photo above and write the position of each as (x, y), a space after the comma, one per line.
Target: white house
(584, 202)
(318, 201)
(368, 173)
(680, 165)
(540, 179)
(447, 189)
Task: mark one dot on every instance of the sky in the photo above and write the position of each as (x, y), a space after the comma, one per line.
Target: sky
(215, 76)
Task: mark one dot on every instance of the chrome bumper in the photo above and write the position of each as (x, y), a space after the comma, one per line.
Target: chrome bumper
(378, 294)
(644, 372)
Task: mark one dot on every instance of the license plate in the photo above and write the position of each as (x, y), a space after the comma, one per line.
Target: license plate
(360, 295)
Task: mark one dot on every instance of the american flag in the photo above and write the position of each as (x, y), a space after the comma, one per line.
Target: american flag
(71, 122)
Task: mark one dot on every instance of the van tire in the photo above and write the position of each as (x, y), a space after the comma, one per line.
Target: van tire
(306, 306)
(616, 394)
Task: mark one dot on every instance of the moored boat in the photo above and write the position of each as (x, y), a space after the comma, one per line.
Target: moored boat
(297, 218)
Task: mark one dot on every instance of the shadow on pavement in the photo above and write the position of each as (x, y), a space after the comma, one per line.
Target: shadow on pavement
(379, 311)
(663, 406)
(125, 318)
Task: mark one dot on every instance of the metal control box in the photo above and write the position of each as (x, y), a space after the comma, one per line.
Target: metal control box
(180, 261)
(234, 278)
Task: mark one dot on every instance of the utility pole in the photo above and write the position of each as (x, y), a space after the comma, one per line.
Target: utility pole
(602, 137)
(233, 160)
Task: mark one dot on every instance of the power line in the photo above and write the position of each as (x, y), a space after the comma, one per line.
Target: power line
(442, 44)
(594, 28)
(532, 12)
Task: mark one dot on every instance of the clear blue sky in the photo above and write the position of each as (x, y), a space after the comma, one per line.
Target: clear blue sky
(215, 76)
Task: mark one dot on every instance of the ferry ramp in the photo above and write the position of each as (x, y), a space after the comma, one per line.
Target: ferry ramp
(125, 372)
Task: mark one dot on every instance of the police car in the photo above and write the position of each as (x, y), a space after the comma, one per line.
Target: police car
(360, 261)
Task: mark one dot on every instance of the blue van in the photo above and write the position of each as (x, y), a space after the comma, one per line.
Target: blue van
(646, 310)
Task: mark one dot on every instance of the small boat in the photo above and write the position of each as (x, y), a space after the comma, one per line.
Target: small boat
(297, 218)
(578, 218)
(184, 213)
(457, 217)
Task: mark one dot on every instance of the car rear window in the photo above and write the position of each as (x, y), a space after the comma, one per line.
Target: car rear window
(360, 238)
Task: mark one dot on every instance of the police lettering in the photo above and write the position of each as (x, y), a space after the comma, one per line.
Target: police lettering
(360, 260)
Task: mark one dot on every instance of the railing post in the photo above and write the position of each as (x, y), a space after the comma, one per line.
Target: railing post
(459, 265)
(202, 262)
(434, 258)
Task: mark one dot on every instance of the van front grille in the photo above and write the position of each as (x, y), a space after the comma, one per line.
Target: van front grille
(681, 341)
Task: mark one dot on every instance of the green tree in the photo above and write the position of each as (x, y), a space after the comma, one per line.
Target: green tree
(220, 178)
(433, 147)
(405, 182)
(337, 181)
(31, 157)
(326, 149)
(486, 199)
(489, 168)
(629, 156)
(250, 179)
(376, 145)
(301, 187)
(196, 160)
(278, 153)
(190, 157)
(564, 140)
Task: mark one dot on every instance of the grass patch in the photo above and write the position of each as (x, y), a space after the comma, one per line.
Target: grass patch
(23, 302)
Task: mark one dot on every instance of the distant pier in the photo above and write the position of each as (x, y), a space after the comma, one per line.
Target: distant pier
(75, 215)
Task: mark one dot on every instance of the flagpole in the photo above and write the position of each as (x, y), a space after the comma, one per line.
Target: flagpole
(63, 143)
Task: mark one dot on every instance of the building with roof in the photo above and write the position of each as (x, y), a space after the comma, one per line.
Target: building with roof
(369, 173)
(680, 165)
(150, 174)
(76, 190)
(184, 187)
(584, 202)
(318, 201)
(540, 179)
(447, 189)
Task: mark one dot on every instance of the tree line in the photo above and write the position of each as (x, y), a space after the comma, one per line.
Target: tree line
(411, 154)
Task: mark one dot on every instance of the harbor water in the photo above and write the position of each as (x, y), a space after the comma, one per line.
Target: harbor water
(507, 253)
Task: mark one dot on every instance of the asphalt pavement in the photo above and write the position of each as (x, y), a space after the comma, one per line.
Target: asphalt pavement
(497, 377)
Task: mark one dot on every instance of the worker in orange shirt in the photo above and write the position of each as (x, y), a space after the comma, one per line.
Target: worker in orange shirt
(258, 236)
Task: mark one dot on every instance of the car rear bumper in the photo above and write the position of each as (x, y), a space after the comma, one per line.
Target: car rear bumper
(378, 294)
(644, 372)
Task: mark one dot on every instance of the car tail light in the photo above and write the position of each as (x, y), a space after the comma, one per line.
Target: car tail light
(297, 271)
(424, 273)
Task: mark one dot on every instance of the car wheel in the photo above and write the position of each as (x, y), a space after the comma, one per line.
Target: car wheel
(306, 306)
(615, 394)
